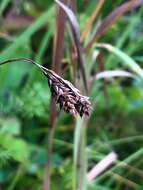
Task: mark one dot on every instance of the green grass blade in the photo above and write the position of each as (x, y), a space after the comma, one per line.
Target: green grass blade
(127, 60)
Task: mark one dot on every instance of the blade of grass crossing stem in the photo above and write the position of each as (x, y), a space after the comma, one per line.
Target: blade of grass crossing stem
(126, 174)
(76, 35)
(128, 61)
(123, 180)
(131, 158)
(80, 160)
(134, 170)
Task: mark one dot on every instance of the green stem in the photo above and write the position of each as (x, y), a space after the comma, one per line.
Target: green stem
(80, 160)
(16, 178)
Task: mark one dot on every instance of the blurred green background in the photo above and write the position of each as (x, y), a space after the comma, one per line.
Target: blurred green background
(116, 122)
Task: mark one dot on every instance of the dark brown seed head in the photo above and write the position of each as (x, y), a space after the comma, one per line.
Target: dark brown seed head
(67, 96)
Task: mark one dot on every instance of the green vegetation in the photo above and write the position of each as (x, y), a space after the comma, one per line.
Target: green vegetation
(41, 148)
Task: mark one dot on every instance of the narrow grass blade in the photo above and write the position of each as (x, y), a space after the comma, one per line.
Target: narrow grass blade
(112, 73)
(101, 166)
(76, 34)
(134, 22)
(58, 45)
(112, 18)
(91, 19)
(128, 160)
(126, 181)
(128, 61)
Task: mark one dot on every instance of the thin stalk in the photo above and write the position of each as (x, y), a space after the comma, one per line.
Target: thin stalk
(58, 45)
(49, 153)
(16, 178)
(79, 152)
(43, 69)
(80, 160)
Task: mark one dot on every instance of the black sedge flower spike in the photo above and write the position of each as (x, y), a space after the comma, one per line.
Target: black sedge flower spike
(63, 92)
(67, 96)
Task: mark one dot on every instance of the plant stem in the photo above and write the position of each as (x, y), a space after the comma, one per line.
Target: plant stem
(58, 45)
(49, 152)
(80, 160)
(16, 178)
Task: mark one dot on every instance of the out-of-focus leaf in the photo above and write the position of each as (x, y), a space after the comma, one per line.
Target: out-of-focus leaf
(76, 34)
(44, 42)
(36, 106)
(91, 19)
(124, 57)
(22, 39)
(14, 22)
(10, 79)
(10, 126)
(4, 157)
(115, 73)
(4, 174)
(16, 147)
(112, 18)
(3, 5)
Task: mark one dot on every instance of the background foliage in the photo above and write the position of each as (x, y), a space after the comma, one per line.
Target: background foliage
(27, 30)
